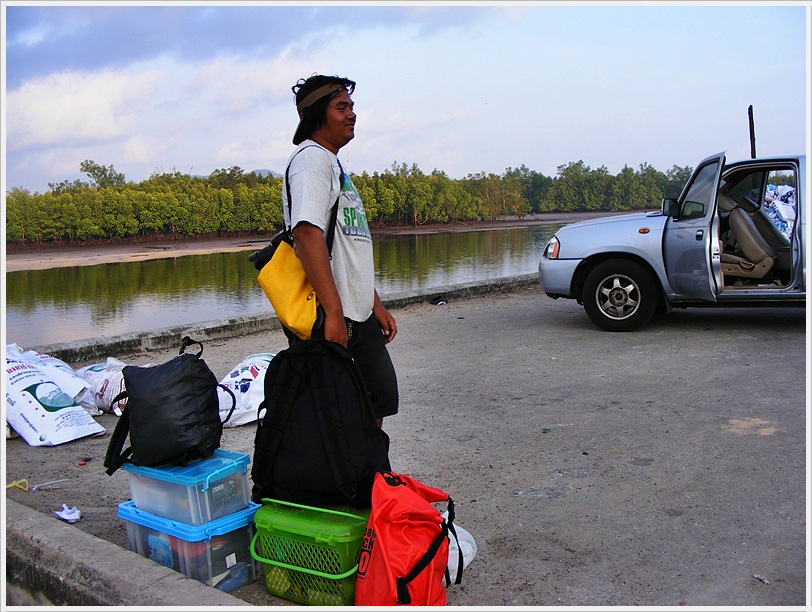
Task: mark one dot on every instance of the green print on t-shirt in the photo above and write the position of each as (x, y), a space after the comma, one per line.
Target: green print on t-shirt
(354, 217)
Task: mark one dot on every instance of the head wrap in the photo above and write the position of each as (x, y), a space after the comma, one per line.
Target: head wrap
(309, 100)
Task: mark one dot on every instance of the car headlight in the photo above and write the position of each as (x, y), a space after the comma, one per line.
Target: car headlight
(551, 250)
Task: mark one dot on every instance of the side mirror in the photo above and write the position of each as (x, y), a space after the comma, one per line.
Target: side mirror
(670, 207)
(693, 210)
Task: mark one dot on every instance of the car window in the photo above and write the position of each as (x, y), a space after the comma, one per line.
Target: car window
(747, 189)
(698, 196)
(771, 192)
(779, 200)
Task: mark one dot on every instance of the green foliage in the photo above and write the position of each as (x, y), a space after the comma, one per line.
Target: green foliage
(534, 184)
(66, 186)
(231, 201)
(102, 177)
(18, 201)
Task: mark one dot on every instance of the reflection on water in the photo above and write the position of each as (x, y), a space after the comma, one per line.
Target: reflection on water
(64, 304)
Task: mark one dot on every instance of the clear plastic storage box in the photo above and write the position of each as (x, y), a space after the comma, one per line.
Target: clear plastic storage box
(217, 554)
(200, 492)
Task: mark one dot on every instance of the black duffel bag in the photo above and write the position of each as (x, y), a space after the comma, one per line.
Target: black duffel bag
(172, 414)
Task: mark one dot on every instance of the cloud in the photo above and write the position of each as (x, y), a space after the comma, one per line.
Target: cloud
(237, 86)
(75, 108)
(161, 112)
(462, 89)
(45, 39)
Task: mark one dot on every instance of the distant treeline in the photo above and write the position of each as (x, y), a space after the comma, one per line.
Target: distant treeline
(233, 202)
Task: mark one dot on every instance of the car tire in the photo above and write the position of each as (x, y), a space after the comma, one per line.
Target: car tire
(619, 295)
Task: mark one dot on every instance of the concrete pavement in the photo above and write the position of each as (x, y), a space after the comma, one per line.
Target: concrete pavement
(665, 467)
(49, 562)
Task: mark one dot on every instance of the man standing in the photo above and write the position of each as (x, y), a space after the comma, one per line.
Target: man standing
(344, 279)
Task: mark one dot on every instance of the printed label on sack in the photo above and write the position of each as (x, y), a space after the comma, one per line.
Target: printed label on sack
(366, 552)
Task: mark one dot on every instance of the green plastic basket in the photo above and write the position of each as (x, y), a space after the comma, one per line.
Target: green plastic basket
(309, 555)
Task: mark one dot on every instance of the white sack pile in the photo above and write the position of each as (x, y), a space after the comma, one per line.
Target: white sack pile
(43, 399)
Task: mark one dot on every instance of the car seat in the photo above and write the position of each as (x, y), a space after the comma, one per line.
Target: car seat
(758, 257)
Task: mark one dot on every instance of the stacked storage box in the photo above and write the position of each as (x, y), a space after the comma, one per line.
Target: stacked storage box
(309, 555)
(197, 519)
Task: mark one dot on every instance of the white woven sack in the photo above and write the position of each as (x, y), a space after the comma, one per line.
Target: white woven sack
(247, 382)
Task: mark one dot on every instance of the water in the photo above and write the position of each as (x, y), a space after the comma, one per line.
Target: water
(66, 304)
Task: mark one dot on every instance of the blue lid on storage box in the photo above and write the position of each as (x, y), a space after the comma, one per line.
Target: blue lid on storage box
(184, 531)
(200, 492)
(199, 473)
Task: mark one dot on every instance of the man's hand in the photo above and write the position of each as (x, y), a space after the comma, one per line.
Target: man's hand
(389, 327)
(335, 330)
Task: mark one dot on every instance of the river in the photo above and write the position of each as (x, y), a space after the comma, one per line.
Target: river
(90, 301)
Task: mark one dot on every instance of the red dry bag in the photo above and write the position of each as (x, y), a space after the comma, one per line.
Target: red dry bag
(404, 554)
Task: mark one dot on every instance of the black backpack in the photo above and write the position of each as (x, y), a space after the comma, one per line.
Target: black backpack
(172, 414)
(318, 443)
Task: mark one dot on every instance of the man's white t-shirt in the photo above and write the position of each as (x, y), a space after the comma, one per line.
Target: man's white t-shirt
(314, 186)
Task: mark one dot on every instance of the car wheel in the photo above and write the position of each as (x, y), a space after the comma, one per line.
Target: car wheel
(619, 295)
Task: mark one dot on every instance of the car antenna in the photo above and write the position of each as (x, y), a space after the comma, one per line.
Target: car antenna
(752, 132)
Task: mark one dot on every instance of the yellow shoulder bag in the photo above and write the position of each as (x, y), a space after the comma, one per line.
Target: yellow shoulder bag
(284, 281)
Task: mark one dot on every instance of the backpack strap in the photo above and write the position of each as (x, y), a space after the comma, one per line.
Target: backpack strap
(186, 342)
(115, 455)
(337, 451)
(453, 532)
(282, 380)
(404, 598)
(233, 400)
(447, 527)
(261, 257)
(331, 228)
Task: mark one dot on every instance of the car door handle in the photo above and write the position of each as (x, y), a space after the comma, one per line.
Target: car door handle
(700, 234)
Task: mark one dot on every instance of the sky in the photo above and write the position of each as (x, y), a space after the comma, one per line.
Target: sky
(459, 87)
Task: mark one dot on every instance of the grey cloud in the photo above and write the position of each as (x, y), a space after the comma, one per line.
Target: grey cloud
(46, 39)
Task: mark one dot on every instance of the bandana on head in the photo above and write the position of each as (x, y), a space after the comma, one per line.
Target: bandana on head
(317, 95)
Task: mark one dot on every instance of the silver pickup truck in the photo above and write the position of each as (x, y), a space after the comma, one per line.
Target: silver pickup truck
(735, 236)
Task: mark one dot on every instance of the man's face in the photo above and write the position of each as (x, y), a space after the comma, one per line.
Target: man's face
(339, 125)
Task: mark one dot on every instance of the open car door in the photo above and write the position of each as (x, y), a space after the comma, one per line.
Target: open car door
(691, 243)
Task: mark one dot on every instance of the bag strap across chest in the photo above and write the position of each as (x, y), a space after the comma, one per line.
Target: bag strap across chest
(331, 229)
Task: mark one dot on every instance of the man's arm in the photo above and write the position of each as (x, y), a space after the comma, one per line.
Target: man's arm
(312, 251)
